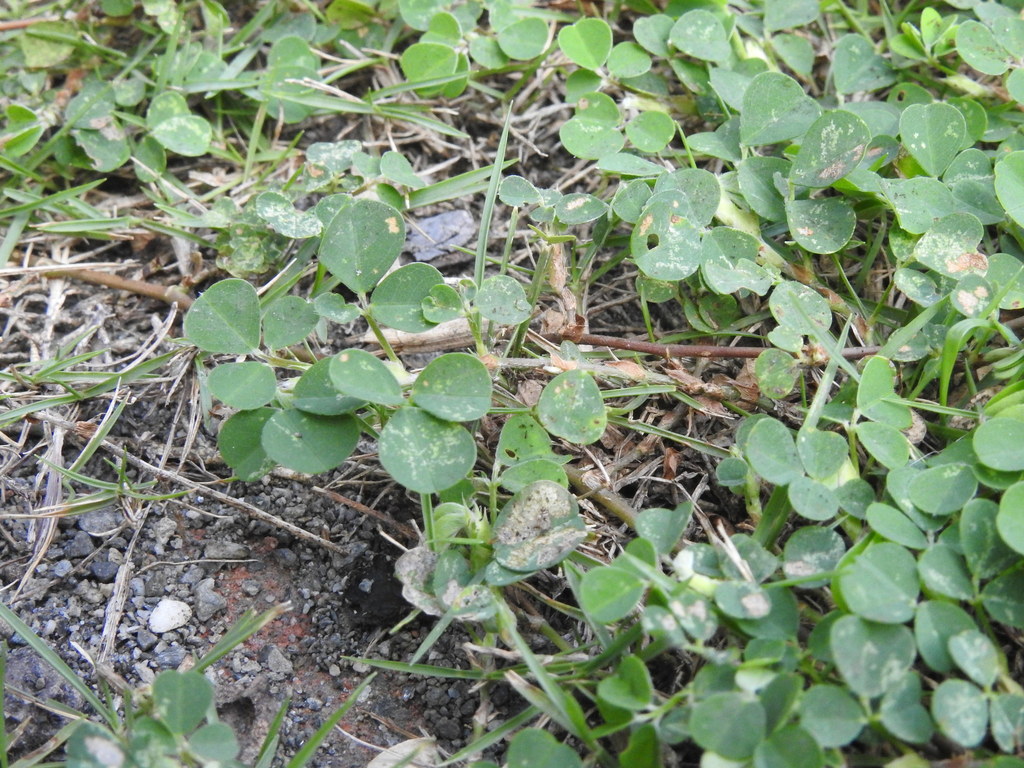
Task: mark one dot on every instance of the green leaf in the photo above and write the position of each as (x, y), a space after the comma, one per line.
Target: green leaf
(534, 748)
(729, 724)
(902, 713)
(571, 407)
(856, 66)
(978, 46)
(871, 657)
(983, 546)
(976, 656)
(334, 307)
(538, 528)
(243, 385)
(944, 489)
(315, 392)
(288, 320)
(821, 225)
(831, 715)
(423, 453)
(395, 167)
(699, 33)
(1009, 174)
(361, 242)
(944, 572)
(665, 244)
(357, 373)
(282, 217)
(628, 59)
(789, 747)
(455, 387)
(309, 443)
(891, 523)
(181, 699)
(961, 712)
(1006, 711)
(442, 303)
(1002, 598)
(225, 318)
(428, 61)
(880, 584)
(664, 527)
(757, 183)
(997, 444)
(651, 131)
(590, 139)
(579, 208)
(629, 687)
(1010, 519)
(214, 741)
(608, 594)
(885, 443)
(876, 392)
(812, 550)
(787, 14)
(240, 443)
(933, 134)
(502, 299)
(832, 147)
(775, 108)
(92, 746)
(796, 52)
(772, 453)
(524, 39)
(935, 623)
(812, 500)
(919, 202)
(398, 300)
(587, 43)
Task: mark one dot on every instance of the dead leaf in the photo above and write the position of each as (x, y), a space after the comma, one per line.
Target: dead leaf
(415, 753)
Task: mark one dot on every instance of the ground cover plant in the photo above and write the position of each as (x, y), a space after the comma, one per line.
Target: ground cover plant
(788, 515)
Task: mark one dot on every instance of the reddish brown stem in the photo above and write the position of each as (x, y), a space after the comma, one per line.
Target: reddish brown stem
(6, 26)
(690, 350)
(170, 294)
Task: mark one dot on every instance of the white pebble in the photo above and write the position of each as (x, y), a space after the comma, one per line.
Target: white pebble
(168, 615)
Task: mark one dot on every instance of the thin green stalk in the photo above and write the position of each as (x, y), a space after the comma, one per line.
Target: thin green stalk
(487, 214)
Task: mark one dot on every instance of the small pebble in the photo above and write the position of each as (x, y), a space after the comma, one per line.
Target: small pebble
(276, 661)
(208, 602)
(80, 545)
(100, 521)
(145, 639)
(62, 568)
(225, 550)
(171, 658)
(103, 571)
(168, 615)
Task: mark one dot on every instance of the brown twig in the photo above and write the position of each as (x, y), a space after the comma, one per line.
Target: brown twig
(687, 350)
(7, 26)
(172, 294)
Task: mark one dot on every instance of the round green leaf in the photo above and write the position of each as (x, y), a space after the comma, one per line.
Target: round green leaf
(729, 724)
(821, 225)
(701, 194)
(239, 443)
(243, 385)
(579, 208)
(885, 443)
(225, 318)
(651, 131)
(891, 523)
(1010, 519)
(877, 390)
(831, 715)
(935, 623)
(871, 657)
(398, 300)
(796, 306)
(534, 748)
(630, 687)
(571, 407)
(608, 594)
(357, 373)
(664, 244)
(663, 527)
(423, 453)
(361, 242)
(757, 183)
(771, 452)
(832, 147)
(590, 139)
(789, 747)
(315, 392)
(775, 108)
(1002, 598)
(652, 32)
(961, 712)
(857, 67)
(395, 167)
(288, 320)
(902, 712)
(538, 528)
(517, 191)
(1009, 174)
(181, 699)
(442, 303)
(455, 387)
(812, 550)
(743, 600)
(786, 14)
(214, 741)
(944, 572)
(335, 308)
(982, 544)
(950, 246)
(282, 217)
(309, 443)
(976, 656)
(796, 52)
(813, 500)
(628, 59)
(978, 46)
(587, 43)
(880, 584)
(944, 489)
(427, 61)
(933, 134)
(502, 299)
(997, 443)
(700, 34)
(1007, 719)
(919, 201)
(524, 39)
